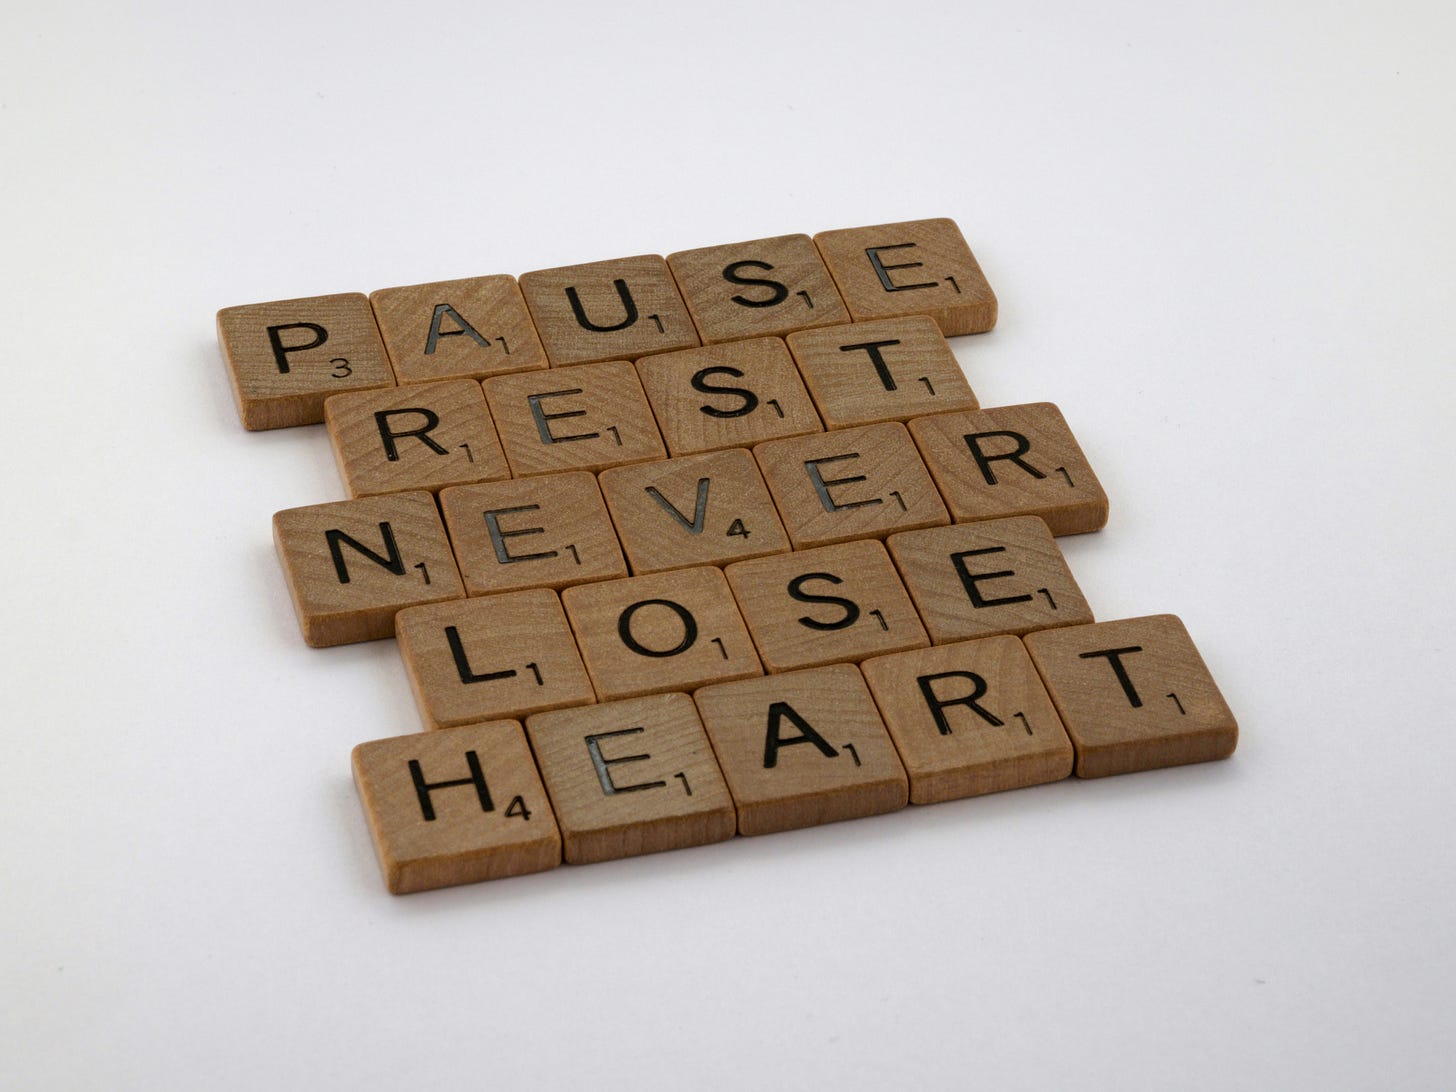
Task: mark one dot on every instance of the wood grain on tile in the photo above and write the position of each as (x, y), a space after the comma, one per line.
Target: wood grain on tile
(463, 329)
(994, 576)
(1134, 695)
(585, 418)
(969, 718)
(827, 605)
(352, 565)
(705, 509)
(422, 436)
(1012, 461)
(547, 531)
(631, 777)
(734, 395)
(890, 370)
(285, 358)
(921, 267)
(665, 631)
(457, 806)
(485, 659)
(802, 748)
(757, 288)
(613, 310)
(852, 483)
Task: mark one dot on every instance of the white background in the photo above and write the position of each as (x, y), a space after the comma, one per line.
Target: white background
(1222, 244)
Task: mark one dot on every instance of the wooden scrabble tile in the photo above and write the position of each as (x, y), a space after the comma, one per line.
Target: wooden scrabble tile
(765, 286)
(352, 565)
(586, 418)
(285, 358)
(465, 329)
(995, 576)
(422, 436)
(666, 631)
(922, 267)
(631, 777)
(457, 806)
(890, 370)
(734, 395)
(695, 510)
(613, 310)
(827, 605)
(1012, 461)
(547, 531)
(854, 483)
(1134, 695)
(483, 659)
(802, 748)
(969, 718)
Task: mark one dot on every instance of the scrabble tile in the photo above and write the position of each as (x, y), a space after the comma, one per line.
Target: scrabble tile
(695, 510)
(666, 631)
(465, 329)
(969, 718)
(733, 395)
(823, 606)
(548, 531)
(352, 565)
(613, 310)
(285, 358)
(980, 579)
(457, 806)
(802, 748)
(1134, 695)
(854, 483)
(586, 418)
(890, 370)
(1012, 461)
(922, 267)
(761, 287)
(631, 777)
(486, 659)
(422, 436)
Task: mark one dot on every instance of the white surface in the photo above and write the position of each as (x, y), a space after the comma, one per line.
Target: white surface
(1222, 243)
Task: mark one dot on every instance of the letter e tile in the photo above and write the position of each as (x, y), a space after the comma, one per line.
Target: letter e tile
(631, 777)
(802, 748)
(1134, 695)
(457, 806)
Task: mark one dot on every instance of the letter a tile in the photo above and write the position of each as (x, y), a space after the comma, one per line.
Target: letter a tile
(1134, 695)
(352, 565)
(631, 777)
(802, 748)
(456, 806)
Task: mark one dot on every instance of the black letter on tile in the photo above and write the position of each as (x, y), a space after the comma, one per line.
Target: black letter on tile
(602, 764)
(883, 271)
(281, 351)
(778, 712)
(476, 778)
(821, 486)
(462, 662)
(690, 628)
(498, 537)
(388, 435)
(628, 305)
(441, 310)
(849, 606)
(779, 294)
(1114, 657)
(969, 580)
(881, 368)
(984, 461)
(544, 419)
(750, 400)
(700, 513)
(394, 562)
(937, 705)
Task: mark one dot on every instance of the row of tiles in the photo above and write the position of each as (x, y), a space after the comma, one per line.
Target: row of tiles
(285, 357)
(788, 750)
(352, 564)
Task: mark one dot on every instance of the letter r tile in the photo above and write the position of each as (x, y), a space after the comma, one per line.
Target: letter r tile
(631, 777)
(613, 310)
(456, 806)
(1134, 695)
